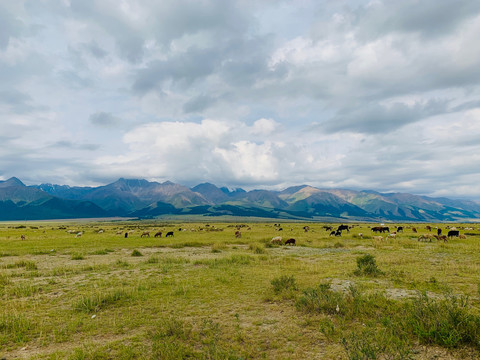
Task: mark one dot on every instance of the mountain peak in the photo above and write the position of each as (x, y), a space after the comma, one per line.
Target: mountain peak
(13, 181)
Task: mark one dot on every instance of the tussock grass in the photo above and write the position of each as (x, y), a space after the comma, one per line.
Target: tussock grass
(77, 256)
(14, 328)
(136, 253)
(28, 265)
(232, 260)
(99, 301)
(257, 248)
(284, 283)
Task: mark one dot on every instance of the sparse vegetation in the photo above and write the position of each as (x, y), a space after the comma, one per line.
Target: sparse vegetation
(206, 294)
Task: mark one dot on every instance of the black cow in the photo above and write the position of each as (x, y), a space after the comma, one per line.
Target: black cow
(439, 231)
(338, 233)
(400, 229)
(290, 241)
(343, 227)
(170, 233)
(332, 233)
(452, 233)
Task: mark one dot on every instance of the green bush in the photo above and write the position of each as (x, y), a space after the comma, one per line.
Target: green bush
(366, 265)
(136, 253)
(444, 322)
(284, 283)
(322, 300)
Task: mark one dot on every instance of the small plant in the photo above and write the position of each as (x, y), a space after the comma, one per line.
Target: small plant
(257, 248)
(153, 260)
(284, 283)
(77, 257)
(218, 247)
(136, 253)
(99, 301)
(338, 245)
(322, 300)
(28, 265)
(366, 265)
(4, 280)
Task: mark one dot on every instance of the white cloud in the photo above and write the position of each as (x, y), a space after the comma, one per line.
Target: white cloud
(382, 95)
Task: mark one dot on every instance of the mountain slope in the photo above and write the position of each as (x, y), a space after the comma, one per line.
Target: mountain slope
(142, 198)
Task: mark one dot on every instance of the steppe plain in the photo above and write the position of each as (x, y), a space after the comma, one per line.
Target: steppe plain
(208, 294)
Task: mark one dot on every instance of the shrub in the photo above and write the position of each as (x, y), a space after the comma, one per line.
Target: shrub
(366, 265)
(444, 322)
(77, 257)
(136, 253)
(322, 300)
(284, 283)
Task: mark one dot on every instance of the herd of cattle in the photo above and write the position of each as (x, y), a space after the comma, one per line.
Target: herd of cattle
(333, 231)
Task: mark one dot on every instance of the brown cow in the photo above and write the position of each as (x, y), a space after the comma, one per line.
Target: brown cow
(158, 234)
(238, 234)
(145, 233)
(441, 237)
(290, 241)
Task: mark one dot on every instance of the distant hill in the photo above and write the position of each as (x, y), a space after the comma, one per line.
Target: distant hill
(144, 199)
(20, 202)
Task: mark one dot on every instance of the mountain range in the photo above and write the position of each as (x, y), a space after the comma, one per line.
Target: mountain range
(140, 198)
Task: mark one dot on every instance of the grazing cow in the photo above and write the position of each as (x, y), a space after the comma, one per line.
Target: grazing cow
(22, 237)
(441, 237)
(343, 227)
(126, 235)
(170, 233)
(462, 236)
(119, 232)
(290, 241)
(439, 231)
(332, 233)
(360, 235)
(381, 229)
(145, 233)
(399, 229)
(306, 228)
(280, 229)
(338, 233)
(452, 233)
(392, 235)
(158, 234)
(277, 240)
(327, 228)
(428, 227)
(414, 230)
(378, 238)
(79, 234)
(238, 234)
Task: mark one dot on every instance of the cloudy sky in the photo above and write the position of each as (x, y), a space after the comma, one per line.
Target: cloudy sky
(380, 94)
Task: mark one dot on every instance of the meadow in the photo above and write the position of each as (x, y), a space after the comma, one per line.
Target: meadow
(206, 294)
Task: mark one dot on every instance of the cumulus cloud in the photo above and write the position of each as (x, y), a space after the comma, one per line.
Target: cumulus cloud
(336, 94)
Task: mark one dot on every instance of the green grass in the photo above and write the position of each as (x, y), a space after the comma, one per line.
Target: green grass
(208, 295)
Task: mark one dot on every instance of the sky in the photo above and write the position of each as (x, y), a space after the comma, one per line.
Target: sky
(381, 95)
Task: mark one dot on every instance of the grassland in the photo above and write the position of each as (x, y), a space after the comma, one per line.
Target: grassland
(206, 294)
